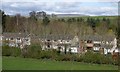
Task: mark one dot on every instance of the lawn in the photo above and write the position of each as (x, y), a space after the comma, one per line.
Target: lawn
(17, 63)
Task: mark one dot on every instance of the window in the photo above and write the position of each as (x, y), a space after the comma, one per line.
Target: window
(103, 42)
(89, 41)
(26, 39)
(11, 38)
(97, 45)
(18, 38)
(48, 40)
(48, 46)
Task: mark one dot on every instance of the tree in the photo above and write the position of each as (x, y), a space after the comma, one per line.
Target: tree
(92, 23)
(69, 20)
(108, 22)
(33, 15)
(3, 16)
(41, 15)
(17, 21)
(118, 33)
(44, 14)
(104, 19)
(97, 21)
(63, 20)
(46, 21)
(54, 16)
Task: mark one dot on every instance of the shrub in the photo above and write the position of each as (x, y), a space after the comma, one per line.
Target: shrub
(90, 57)
(66, 57)
(15, 51)
(50, 54)
(33, 51)
(6, 50)
(10, 51)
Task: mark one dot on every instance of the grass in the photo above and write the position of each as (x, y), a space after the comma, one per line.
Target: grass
(17, 63)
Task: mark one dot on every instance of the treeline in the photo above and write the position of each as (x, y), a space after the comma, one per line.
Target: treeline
(92, 22)
(42, 23)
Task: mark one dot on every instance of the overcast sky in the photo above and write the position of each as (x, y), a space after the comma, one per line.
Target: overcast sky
(87, 7)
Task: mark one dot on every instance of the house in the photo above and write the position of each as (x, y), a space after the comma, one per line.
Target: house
(51, 41)
(82, 47)
(99, 43)
(116, 54)
(16, 39)
(75, 48)
(106, 48)
(61, 42)
(63, 47)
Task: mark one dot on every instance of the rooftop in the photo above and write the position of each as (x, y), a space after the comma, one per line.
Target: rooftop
(9, 35)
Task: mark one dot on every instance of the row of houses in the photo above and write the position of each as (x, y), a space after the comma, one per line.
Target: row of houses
(15, 39)
(70, 43)
(60, 42)
(77, 44)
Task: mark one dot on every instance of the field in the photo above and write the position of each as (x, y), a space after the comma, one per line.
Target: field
(17, 63)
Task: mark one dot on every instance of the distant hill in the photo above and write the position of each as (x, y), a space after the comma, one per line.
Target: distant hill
(70, 15)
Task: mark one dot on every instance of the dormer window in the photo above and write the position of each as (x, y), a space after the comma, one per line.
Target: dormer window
(67, 40)
(18, 38)
(48, 40)
(55, 40)
(103, 42)
(26, 39)
(11, 38)
(89, 41)
(97, 45)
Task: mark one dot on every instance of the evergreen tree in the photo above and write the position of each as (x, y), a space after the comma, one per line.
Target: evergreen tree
(3, 16)
(46, 21)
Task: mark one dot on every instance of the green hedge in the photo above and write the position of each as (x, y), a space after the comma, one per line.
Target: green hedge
(35, 51)
(91, 57)
(11, 51)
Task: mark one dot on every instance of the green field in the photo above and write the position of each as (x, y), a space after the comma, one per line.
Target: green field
(17, 63)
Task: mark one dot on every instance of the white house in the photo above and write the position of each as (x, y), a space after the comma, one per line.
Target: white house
(74, 49)
(60, 42)
(16, 39)
(96, 46)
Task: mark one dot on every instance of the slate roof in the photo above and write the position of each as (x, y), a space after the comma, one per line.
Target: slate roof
(106, 46)
(14, 35)
(63, 44)
(97, 38)
(56, 37)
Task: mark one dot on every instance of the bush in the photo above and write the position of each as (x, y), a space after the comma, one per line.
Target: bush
(33, 51)
(88, 57)
(50, 54)
(6, 51)
(15, 51)
(97, 58)
(66, 57)
(10, 51)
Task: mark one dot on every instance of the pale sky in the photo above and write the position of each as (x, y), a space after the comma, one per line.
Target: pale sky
(86, 7)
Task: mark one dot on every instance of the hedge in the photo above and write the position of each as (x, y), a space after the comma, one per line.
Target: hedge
(35, 51)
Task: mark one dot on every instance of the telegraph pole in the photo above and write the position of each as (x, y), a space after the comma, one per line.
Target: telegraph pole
(118, 28)
(17, 22)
